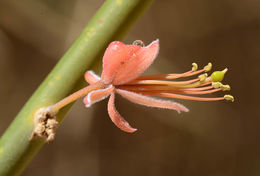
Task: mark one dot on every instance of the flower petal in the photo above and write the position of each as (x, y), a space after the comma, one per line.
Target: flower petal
(137, 64)
(118, 120)
(151, 102)
(97, 95)
(116, 54)
(91, 77)
(123, 63)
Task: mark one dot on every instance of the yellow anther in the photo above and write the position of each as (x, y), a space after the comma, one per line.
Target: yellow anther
(218, 76)
(229, 97)
(217, 85)
(208, 67)
(202, 77)
(225, 87)
(194, 67)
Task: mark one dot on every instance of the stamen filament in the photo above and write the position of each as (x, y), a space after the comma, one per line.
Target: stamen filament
(187, 74)
(200, 88)
(160, 82)
(171, 95)
(164, 76)
(146, 87)
(181, 91)
(199, 92)
(171, 76)
(177, 75)
(170, 89)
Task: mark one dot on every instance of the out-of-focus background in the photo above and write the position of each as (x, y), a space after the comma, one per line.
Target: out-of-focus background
(214, 138)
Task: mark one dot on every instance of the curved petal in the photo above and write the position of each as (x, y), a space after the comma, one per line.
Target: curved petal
(150, 101)
(137, 64)
(117, 53)
(123, 63)
(91, 77)
(97, 95)
(118, 120)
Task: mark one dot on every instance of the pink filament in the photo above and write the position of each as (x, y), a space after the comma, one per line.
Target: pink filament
(185, 97)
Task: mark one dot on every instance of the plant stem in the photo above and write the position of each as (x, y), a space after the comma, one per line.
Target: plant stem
(111, 22)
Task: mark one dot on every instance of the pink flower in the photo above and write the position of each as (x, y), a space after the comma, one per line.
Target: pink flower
(122, 67)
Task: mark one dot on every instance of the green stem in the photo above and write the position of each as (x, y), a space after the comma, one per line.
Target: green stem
(111, 22)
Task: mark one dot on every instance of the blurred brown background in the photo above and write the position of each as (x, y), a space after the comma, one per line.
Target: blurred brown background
(215, 138)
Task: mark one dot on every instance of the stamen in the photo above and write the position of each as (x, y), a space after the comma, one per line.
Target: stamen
(194, 67)
(225, 87)
(171, 95)
(159, 82)
(187, 74)
(170, 89)
(208, 67)
(147, 87)
(201, 88)
(229, 97)
(180, 91)
(203, 77)
(192, 72)
(189, 84)
(217, 84)
(162, 76)
(196, 84)
(152, 85)
(200, 92)
(220, 85)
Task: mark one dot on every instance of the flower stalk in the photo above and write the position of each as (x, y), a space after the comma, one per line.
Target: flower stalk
(76, 95)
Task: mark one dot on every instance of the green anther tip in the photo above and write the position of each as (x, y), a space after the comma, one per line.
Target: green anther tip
(218, 76)
(229, 97)
(194, 67)
(208, 67)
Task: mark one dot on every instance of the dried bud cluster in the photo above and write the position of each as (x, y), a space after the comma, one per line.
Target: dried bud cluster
(45, 124)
